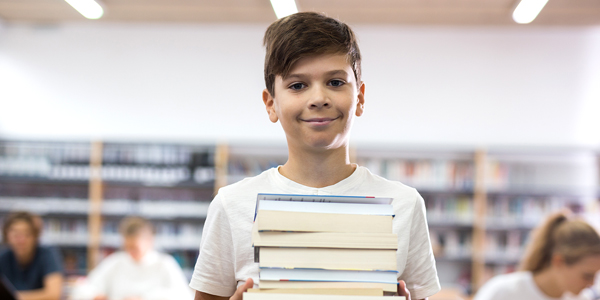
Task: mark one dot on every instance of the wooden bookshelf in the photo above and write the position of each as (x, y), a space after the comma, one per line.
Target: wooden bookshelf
(83, 189)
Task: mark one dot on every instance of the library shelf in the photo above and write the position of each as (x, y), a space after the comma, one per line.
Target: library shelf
(83, 189)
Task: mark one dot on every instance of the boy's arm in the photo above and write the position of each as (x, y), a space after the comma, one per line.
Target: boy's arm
(420, 273)
(237, 296)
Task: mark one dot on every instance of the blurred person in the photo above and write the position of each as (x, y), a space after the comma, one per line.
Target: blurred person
(35, 271)
(559, 263)
(136, 273)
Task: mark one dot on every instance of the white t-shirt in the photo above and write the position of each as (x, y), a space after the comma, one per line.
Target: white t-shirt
(118, 276)
(517, 286)
(226, 257)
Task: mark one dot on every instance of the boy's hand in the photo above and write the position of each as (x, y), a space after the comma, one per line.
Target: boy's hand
(402, 290)
(242, 289)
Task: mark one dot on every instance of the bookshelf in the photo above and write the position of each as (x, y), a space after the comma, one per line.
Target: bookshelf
(83, 190)
(481, 204)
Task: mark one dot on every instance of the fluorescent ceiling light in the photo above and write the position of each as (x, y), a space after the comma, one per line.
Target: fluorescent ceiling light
(284, 8)
(528, 10)
(88, 8)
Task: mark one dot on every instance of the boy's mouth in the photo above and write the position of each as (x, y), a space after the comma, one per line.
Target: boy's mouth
(320, 121)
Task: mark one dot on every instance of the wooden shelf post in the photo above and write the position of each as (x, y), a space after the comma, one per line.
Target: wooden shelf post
(221, 166)
(95, 208)
(480, 210)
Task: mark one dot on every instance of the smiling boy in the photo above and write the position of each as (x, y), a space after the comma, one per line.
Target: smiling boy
(314, 89)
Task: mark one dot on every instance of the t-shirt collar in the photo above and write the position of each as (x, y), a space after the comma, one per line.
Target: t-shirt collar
(291, 187)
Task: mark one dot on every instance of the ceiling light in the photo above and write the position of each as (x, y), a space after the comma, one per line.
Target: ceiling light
(284, 8)
(88, 8)
(528, 10)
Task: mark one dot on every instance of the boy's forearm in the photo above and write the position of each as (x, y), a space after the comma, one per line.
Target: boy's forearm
(205, 296)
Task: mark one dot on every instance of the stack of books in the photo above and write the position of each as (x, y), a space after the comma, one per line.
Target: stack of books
(324, 247)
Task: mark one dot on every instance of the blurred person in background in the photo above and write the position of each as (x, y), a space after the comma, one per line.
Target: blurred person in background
(136, 273)
(35, 271)
(559, 263)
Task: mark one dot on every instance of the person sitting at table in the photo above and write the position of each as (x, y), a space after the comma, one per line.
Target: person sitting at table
(34, 270)
(136, 273)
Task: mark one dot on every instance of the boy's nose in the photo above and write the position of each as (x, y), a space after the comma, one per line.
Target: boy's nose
(319, 99)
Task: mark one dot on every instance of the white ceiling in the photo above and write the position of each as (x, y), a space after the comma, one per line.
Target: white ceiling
(411, 12)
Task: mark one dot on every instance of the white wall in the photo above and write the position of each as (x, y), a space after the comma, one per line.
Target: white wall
(425, 85)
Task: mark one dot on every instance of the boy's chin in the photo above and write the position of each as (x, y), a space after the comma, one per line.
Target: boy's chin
(326, 144)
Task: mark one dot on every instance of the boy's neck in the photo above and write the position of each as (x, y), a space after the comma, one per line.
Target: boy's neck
(318, 169)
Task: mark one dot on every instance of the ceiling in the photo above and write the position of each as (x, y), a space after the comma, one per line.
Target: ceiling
(411, 12)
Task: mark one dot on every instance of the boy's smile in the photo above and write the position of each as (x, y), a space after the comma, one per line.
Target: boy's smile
(317, 102)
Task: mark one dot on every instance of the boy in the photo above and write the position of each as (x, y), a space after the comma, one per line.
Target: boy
(312, 74)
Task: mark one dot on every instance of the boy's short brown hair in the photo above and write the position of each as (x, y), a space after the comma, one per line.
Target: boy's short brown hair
(133, 226)
(34, 221)
(303, 34)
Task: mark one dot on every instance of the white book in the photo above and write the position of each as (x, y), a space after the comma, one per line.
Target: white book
(320, 199)
(272, 296)
(328, 275)
(331, 208)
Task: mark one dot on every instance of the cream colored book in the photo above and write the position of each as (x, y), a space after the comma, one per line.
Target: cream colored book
(273, 296)
(327, 258)
(324, 239)
(357, 292)
(386, 287)
(269, 220)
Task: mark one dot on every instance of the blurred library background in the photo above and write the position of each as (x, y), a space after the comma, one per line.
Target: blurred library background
(152, 107)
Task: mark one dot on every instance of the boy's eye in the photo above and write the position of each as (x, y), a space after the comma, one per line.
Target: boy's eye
(297, 86)
(336, 83)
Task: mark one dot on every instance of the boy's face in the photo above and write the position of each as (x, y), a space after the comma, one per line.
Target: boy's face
(317, 102)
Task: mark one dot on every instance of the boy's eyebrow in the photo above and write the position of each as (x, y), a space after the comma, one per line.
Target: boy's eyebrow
(329, 73)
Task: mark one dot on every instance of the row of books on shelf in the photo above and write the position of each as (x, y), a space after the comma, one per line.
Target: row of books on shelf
(155, 154)
(146, 208)
(521, 211)
(323, 245)
(449, 210)
(41, 167)
(502, 211)
(117, 153)
(424, 174)
(501, 247)
(53, 152)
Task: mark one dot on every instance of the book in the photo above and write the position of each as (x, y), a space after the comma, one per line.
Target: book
(324, 239)
(331, 208)
(318, 199)
(339, 291)
(267, 274)
(274, 296)
(327, 258)
(386, 287)
(319, 222)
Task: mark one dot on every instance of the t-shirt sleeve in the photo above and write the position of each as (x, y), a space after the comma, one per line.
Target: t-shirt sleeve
(215, 268)
(51, 261)
(420, 273)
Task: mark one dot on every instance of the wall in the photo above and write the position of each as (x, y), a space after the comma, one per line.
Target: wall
(425, 85)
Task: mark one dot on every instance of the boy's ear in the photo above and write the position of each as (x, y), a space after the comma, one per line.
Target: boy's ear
(269, 105)
(360, 105)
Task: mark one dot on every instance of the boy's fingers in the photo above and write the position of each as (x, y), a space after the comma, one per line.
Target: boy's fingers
(242, 289)
(402, 290)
